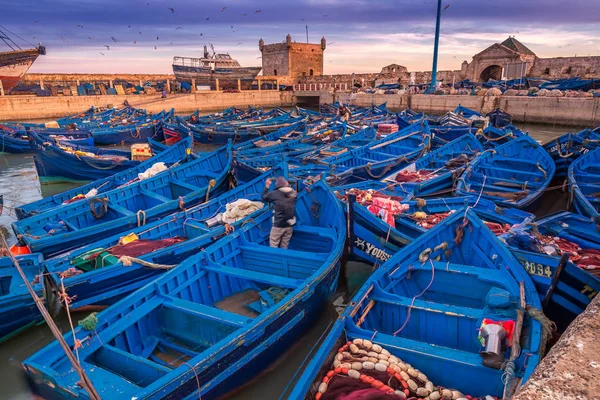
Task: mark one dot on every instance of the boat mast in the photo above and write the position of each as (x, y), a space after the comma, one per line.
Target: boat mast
(435, 49)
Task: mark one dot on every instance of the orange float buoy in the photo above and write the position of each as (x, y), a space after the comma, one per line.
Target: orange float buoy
(19, 249)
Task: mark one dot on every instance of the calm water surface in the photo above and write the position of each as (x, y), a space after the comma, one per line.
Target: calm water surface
(19, 184)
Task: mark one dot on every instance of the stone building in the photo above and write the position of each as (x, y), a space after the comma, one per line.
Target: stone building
(506, 60)
(290, 60)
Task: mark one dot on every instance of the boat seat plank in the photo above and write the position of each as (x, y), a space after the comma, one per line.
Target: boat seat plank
(269, 279)
(446, 353)
(380, 295)
(154, 195)
(281, 253)
(119, 209)
(204, 311)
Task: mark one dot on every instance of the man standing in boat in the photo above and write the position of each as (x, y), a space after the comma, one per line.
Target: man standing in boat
(284, 211)
(344, 113)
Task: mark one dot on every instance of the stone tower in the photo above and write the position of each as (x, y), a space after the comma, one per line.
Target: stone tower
(292, 59)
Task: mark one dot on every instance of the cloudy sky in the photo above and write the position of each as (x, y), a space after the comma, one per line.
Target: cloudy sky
(363, 35)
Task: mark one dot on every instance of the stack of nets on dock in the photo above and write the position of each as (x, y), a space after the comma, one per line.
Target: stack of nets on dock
(363, 370)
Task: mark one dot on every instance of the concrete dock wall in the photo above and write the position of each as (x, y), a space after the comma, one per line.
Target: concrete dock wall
(571, 370)
(13, 108)
(549, 110)
(552, 110)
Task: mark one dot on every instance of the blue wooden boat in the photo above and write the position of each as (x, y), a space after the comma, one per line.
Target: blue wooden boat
(66, 163)
(568, 147)
(80, 223)
(102, 279)
(438, 170)
(425, 306)
(376, 160)
(293, 131)
(170, 155)
(466, 112)
(514, 174)
(212, 323)
(134, 133)
(584, 183)
(445, 134)
(16, 140)
(572, 286)
(499, 118)
(492, 137)
(17, 309)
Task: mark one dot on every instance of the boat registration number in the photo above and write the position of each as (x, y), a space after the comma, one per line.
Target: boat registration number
(537, 269)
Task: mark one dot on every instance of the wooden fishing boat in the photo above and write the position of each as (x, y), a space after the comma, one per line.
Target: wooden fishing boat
(584, 184)
(134, 133)
(14, 139)
(514, 174)
(499, 118)
(492, 137)
(291, 132)
(79, 223)
(65, 163)
(376, 160)
(566, 286)
(438, 170)
(568, 147)
(169, 156)
(17, 309)
(212, 323)
(445, 134)
(458, 276)
(95, 274)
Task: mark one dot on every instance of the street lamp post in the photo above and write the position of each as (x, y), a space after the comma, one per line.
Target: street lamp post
(435, 49)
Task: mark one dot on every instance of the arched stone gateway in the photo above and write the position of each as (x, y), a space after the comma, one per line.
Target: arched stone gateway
(493, 72)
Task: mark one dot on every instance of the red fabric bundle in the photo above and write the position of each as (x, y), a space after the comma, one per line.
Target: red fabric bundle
(497, 229)
(415, 176)
(142, 246)
(386, 209)
(342, 387)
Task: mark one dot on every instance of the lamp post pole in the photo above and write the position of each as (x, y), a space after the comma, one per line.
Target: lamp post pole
(435, 48)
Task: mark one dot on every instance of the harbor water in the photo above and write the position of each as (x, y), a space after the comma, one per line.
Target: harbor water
(19, 184)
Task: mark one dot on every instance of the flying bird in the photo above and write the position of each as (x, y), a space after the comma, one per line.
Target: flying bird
(155, 48)
(245, 15)
(107, 47)
(207, 18)
(171, 43)
(80, 26)
(445, 8)
(172, 9)
(114, 39)
(324, 15)
(231, 26)
(135, 41)
(157, 38)
(257, 11)
(129, 26)
(102, 53)
(140, 32)
(179, 27)
(223, 9)
(36, 22)
(89, 37)
(200, 34)
(302, 19)
(240, 43)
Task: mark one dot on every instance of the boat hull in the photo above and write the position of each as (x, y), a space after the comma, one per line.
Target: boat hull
(228, 78)
(14, 64)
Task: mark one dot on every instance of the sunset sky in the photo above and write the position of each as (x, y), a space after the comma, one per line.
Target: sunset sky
(362, 35)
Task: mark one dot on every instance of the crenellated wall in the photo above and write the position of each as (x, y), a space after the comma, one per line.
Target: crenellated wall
(565, 67)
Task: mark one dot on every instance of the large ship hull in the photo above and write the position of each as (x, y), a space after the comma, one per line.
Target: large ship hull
(14, 64)
(228, 77)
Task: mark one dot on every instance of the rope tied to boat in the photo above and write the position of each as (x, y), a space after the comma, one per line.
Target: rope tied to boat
(128, 261)
(212, 183)
(542, 169)
(141, 217)
(548, 326)
(117, 162)
(98, 213)
(138, 133)
(489, 139)
(424, 256)
(566, 155)
(386, 169)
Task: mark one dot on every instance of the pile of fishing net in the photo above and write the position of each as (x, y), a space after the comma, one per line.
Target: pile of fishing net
(428, 221)
(415, 176)
(385, 207)
(363, 370)
(530, 239)
(240, 209)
